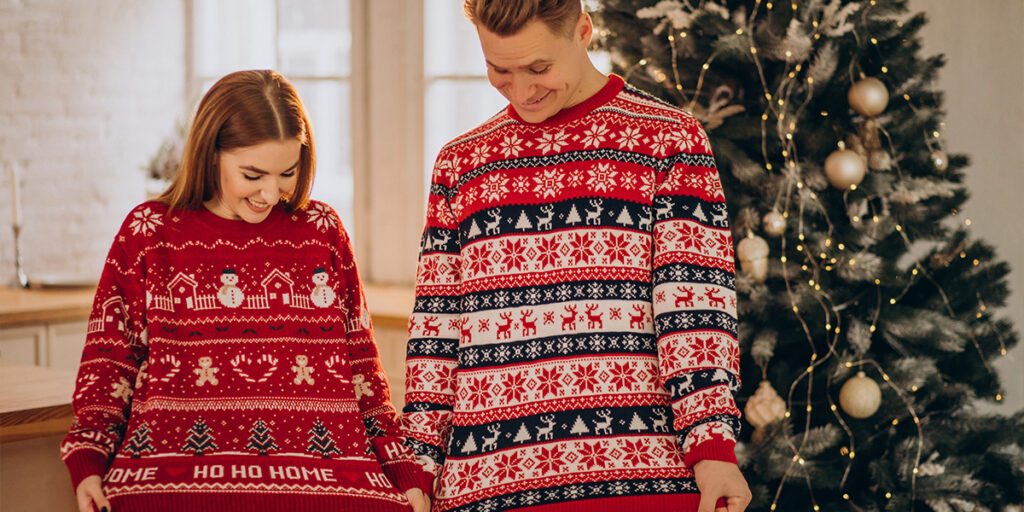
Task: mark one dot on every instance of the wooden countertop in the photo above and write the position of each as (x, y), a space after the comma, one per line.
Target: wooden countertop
(34, 401)
(20, 307)
(390, 306)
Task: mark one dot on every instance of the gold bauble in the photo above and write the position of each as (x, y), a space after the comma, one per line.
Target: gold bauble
(753, 254)
(868, 97)
(845, 168)
(939, 160)
(765, 406)
(774, 223)
(860, 396)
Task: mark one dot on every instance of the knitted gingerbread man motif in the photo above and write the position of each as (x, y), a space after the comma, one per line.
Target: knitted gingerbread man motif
(303, 373)
(206, 371)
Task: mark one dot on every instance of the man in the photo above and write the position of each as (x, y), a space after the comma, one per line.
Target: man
(573, 344)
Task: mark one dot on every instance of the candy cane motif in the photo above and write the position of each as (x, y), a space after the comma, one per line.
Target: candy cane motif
(330, 368)
(141, 377)
(265, 358)
(84, 383)
(176, 367)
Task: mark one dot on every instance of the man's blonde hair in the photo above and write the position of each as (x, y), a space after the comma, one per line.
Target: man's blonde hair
(507, 17)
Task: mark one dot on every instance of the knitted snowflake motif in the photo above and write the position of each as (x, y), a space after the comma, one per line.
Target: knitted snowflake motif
(320, 216)
(145, 221)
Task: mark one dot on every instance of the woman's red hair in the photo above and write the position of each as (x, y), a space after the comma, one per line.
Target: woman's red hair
(245, 108)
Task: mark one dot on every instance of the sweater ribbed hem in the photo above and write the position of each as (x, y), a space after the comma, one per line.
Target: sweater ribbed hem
(246, 502)
(659, 503)
(85, 463)
(407, 475)
(723, 450)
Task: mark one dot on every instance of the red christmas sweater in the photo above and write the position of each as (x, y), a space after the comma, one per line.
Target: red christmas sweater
(231, 366)
(573, 343)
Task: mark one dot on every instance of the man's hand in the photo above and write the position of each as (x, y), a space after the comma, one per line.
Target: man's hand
(89, 492)
(420, 502)
(717, 479)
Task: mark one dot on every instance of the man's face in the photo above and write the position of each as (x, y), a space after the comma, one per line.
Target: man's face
(538, 71)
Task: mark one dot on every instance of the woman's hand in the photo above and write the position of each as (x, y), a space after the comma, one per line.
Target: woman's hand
(90, 492)
(420, 502)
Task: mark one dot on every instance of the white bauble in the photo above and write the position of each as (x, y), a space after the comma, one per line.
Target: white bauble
(753, 254)
(774, 223)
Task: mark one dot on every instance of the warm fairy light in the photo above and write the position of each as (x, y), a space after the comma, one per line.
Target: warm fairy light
(999, 398)
(846, 496)
(824, 113)
(811, 282)
(895, 421)
(853, 187)
(739, 31)
(888, 495)
(682, 34)
(906, 97)
(787, 414)
(789, 54)
(885, 377)
(885, 69)
(833, 407)
(878, 281)
(892, 301)
(914, 271)
(643, 62)
(872, 328)
(671, 38)
(855, 219)
(799, 248)
(852, 454)
(801, 237)
(899, 227)
(967, 222)
(874, 41)
(935, 134)
(804, 268)
(796, 309)
(913, 388)
(809, 370)
(705, 66)
(764, 117)
(768, 166)
(823, 256)
(753, 50)
(853, 262)
(784, 259)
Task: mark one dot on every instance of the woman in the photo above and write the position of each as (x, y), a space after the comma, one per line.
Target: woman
(230, 362)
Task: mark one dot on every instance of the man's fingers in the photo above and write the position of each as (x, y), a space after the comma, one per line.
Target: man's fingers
(707, 502)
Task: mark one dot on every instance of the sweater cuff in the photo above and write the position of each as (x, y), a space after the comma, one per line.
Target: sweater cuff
(408, 474)
(715, 449)
(85, 463)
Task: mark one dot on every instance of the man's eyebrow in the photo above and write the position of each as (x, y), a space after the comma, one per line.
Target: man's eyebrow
(261, 171)
(530, 65)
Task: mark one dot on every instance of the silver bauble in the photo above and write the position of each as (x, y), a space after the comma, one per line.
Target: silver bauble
(774, 223)
(845, 168)
(868, 97)
(879, 160)
(860, 396)
(753, 254)
(939, 160)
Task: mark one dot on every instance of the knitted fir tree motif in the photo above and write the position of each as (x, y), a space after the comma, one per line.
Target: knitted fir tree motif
(321, 442)
(139, 442)
(200, 439)
(261, 441)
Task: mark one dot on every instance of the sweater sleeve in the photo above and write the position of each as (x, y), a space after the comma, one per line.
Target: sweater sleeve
(432, 352)
(695, 301)
(371, 385)
(115, 348)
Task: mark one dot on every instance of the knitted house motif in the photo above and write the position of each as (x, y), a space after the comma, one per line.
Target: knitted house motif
(112, 310)
(183, 288)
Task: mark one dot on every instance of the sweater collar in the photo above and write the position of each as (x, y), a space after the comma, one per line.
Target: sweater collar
(609, 91)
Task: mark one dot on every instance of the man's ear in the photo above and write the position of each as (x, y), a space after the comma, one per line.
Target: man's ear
(584, 30)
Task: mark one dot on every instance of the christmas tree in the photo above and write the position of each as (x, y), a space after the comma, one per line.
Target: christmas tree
(862, 297)
(139, 442)
(200, 438)
(261, 440)
(321, 442)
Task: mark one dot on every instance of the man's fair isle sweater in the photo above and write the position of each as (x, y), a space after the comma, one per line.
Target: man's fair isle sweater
(573, 344)
(231, 366)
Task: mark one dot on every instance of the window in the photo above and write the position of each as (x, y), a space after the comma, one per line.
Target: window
(310, 42)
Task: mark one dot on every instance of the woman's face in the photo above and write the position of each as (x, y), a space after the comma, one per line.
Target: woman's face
(254, 178)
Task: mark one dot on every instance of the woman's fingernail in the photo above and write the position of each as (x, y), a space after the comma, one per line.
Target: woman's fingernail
(104, 509)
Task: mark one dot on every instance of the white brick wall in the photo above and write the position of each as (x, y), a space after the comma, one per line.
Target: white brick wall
(88, 89)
